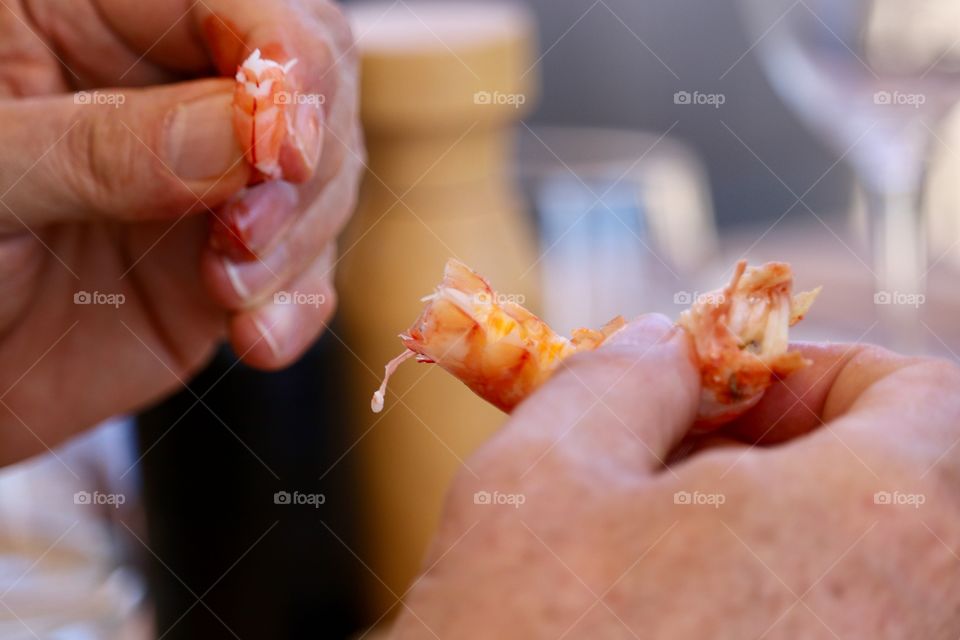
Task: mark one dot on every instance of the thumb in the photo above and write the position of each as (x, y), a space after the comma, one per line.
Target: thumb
(155, 153)
(631, 401)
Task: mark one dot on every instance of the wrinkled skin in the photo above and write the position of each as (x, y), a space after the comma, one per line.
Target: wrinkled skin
(117, 198)
(797, 547)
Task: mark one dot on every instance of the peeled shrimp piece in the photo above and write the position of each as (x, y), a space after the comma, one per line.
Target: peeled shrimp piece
(497, 348)
(261, 111)
(741, 337)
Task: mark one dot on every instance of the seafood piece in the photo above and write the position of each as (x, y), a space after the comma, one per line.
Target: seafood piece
(260, 107)
(741, 337)
(504, 353)
(496, 347)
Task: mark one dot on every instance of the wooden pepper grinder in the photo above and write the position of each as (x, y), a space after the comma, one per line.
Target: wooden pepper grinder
(443, 88)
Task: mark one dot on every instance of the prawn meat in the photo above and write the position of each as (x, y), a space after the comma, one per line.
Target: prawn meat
(741, 338)
(260, 111)
(497, 348)
(504, 353)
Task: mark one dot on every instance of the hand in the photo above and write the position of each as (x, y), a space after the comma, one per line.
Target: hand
(112, 191)
(849, 528)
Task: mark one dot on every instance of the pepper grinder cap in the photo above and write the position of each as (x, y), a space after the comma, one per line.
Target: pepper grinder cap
(426, 65)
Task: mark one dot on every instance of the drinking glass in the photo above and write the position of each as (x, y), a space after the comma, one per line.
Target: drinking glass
(873, 78)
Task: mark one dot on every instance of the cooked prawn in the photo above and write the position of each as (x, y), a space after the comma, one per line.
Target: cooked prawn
(740, 334)
(260, 115)
(504, 353)
(496, 347)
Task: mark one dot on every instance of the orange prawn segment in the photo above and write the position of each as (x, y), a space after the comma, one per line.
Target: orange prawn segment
(260, 108)
(496, 347)
(503, 352)
(741, 338)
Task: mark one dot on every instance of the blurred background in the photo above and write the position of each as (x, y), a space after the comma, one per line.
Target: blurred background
(590, 157)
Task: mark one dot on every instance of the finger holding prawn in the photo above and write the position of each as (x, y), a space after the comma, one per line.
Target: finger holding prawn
(281, 141)
(295, 107)
(250, 288)
(288, 73)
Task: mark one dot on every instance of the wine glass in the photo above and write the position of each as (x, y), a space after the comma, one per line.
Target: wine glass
(874, 78)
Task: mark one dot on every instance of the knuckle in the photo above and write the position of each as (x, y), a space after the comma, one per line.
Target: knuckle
(110, 167)
(90, 143)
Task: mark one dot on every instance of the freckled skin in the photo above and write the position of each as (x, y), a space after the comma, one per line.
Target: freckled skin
(799, 547)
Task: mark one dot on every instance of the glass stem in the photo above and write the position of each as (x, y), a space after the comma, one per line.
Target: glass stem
(899, 242)
(899, 258)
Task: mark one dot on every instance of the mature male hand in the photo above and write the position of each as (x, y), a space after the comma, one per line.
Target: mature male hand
(849, 527)
(112, 192)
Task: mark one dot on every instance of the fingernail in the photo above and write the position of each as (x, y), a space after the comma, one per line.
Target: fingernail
(309, 133)
(249, 224)
(200, 139)
(236, 281)
(643, 333)
(268, 337)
